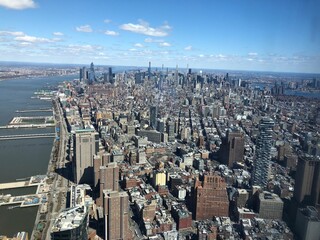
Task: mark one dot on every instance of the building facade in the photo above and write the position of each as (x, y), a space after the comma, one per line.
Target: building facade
(86, 145)
(263, 153)
(210, 198)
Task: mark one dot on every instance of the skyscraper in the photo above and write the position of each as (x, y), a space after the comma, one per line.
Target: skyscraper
(86, 144)
(263, 153)
(307, 182)
(110, 74)
(153, 116)
(109, 179)
(116, 208)
(233, 148)
(149, 71)
(92, 76)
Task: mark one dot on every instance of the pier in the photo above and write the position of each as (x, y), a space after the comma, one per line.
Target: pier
(11, 185)
(26, 136)
(34, 110)
(30, 122)
(39, 198)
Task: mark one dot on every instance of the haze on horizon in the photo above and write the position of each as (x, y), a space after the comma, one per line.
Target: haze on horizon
(237, 35)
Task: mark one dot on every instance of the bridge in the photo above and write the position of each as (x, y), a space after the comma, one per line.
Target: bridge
(27, 136)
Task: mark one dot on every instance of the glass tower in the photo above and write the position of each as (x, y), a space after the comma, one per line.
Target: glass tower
(263, 153)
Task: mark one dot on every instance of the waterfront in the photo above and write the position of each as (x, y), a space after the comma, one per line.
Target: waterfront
(25, 157)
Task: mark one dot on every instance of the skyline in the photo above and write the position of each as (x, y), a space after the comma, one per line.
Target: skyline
(247, 35)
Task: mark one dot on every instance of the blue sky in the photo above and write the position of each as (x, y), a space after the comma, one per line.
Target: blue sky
(262, 35)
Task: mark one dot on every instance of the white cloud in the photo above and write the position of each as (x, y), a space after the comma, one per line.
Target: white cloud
(84, 28)
(144, 28)
(132, 49)
(58, 34)
(111, 33)
(107, 21)
(253, 54)
(32, 39)
(188, 48)
(151, 40)
(165, 44)
(138, 45)
(8, 33)
(17, 4)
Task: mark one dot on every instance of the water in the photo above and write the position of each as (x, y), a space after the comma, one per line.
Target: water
(27, 157)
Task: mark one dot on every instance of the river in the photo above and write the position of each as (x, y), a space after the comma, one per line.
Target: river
(27, 157)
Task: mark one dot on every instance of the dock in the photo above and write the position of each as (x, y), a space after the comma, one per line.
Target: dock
(39, 198)
(14, 185)
(27, 136)
(34, 110)
(30, 122)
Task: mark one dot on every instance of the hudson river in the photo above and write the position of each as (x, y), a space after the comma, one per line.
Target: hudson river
(27, 157)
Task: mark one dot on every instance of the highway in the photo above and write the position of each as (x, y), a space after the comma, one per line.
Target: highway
(59, 186)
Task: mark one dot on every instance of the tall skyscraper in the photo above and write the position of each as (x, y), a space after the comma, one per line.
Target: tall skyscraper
(110, 74)
(83, 74)
(116, 208)
(232, 148)
(261, 166)
(153, 116)
(86, 145)
(92, 76)
(170, 131)
(149, 71)
(307, 182)
(210, 198)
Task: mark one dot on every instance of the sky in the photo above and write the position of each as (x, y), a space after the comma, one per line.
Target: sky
(261, 35)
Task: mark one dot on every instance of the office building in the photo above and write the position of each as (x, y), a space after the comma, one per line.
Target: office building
(308, 223)
(86, 145)
(210, 198)
(149, 71)
(116, 208)
(153, 116)
(307, 182)
(71, 224)
(232, 149)
(263, 153)
(92, 76)
(110, 75)
(170, 131)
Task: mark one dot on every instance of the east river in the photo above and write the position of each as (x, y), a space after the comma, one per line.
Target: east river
(25, 157)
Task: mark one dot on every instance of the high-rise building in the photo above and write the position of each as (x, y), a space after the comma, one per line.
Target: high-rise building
(170, 131)
(307, 182)
(263, 153)
(116, 208)
(232, 149)
(308, 223)
(92, 76)
(210, 198)
(153, 116)
(149, 71)
(110, 74)
(86, 145)
(83, 74)
(109, 179)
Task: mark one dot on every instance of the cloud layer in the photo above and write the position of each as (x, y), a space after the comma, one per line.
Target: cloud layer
(144, 28)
